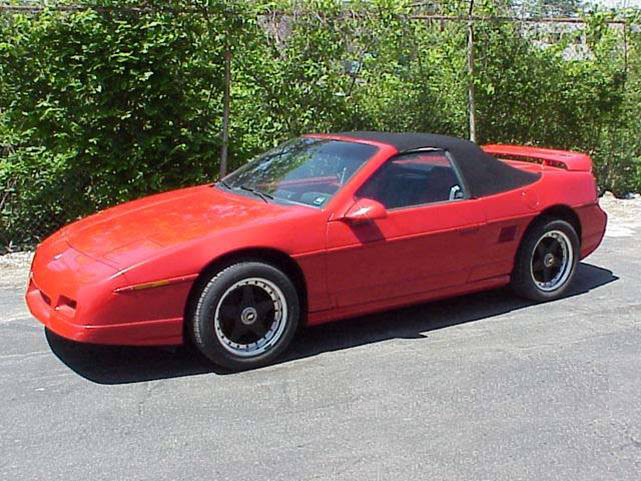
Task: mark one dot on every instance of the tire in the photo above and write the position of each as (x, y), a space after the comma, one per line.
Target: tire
(245, 315)
(546, 260)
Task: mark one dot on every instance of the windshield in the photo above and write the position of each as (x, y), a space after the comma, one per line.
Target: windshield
(304, 170)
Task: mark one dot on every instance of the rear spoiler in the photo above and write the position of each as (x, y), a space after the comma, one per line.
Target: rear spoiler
(562, 159)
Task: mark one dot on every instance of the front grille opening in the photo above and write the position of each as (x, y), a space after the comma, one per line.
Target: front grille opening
(64, 301)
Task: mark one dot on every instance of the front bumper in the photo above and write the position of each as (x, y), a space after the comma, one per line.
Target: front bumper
(147, 333)
(73, 296)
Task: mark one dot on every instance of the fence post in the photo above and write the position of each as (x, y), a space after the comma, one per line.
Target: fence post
(226, 107)
(471, 105)
(625, 53)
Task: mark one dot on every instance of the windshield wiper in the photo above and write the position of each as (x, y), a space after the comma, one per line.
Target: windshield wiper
(263, 195)
(224, 184)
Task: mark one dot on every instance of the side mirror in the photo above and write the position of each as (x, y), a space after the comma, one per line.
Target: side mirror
(365, 210)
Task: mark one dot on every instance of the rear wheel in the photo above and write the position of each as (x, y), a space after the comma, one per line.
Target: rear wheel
(246, 315)
(546, 260)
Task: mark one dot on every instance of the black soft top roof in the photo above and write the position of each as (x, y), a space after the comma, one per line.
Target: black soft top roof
(483, 173)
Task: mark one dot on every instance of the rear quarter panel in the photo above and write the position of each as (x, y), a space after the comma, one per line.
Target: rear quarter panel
(578, 191)
(561, 187)
(509, 214)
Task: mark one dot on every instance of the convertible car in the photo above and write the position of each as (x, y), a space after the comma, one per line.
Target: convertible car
(320, 228)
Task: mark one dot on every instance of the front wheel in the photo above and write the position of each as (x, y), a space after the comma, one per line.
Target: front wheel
(546, 260)
(246, 315)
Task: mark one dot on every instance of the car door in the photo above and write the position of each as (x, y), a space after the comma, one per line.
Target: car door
(428, 241)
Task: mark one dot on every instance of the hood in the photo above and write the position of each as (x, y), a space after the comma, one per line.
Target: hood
(133, 231)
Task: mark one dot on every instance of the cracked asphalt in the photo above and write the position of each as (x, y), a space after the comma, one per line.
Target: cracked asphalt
(483, 387)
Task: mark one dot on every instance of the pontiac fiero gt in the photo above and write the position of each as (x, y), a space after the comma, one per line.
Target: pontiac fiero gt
(320, 228)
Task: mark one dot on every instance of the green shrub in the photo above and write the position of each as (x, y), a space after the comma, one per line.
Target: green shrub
(101, 106)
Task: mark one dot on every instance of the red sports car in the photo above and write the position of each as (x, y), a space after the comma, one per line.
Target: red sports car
(320, 228)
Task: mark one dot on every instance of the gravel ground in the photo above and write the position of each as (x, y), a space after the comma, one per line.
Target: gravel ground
(624, 216)
(483, 387)
(14, 268)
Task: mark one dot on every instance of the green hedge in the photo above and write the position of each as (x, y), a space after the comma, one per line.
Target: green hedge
(100, 106)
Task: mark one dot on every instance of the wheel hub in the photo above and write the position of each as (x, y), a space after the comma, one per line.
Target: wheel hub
(552, 260)
(251, 317)
(248, 316)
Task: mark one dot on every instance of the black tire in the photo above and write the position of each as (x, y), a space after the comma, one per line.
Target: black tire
(224, 308)
(540, 271)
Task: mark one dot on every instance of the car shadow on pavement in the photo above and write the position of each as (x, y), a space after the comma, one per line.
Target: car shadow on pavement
(121, 365)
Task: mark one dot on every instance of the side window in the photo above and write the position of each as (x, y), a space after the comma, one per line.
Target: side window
(412, 179)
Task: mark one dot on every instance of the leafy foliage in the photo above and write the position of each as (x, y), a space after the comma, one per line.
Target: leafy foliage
(103, 105)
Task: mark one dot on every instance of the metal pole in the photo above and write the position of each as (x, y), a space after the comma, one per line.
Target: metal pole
(471, 105)
(226, 108)
(625, 46)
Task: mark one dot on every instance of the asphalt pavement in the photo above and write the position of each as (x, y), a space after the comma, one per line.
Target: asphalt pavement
(481, 387)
